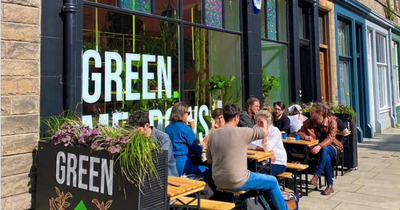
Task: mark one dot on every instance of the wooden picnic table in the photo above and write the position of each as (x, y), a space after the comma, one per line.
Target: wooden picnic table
(258, 157)
(180, 187)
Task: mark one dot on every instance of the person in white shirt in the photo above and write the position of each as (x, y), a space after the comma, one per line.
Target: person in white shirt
(296, 118)
(273, 142)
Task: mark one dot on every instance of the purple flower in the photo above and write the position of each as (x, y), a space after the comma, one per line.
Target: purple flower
(94, 145)
(82, 140)
(114, 149)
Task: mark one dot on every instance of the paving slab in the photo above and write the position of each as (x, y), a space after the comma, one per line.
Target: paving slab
(317, 204)
(368, 200)
(362, 174)
(380, 191)
(350, 206)
(378, 183)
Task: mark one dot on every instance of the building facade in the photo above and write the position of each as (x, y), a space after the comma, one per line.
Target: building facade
(105, 58)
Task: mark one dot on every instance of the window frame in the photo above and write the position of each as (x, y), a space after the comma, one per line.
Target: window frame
(382, 67)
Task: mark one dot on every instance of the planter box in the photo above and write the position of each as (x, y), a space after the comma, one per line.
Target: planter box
(90, 177)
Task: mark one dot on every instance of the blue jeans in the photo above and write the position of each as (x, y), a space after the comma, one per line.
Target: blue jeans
(263, 182)
(326, 154)
(277, 169)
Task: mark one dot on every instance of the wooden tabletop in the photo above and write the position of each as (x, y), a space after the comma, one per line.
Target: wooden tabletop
(179, 187)
(259, 155)
(291, 140)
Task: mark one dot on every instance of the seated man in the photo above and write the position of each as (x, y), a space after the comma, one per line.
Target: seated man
(141, 120)
(281, 121)
(227, 152)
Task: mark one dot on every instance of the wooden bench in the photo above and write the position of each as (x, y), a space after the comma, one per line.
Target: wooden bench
(283, 176)
(206, 204)
(298, 168)
(235, 193)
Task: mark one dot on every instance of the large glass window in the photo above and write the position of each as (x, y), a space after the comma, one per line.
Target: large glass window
(301, 23)
(275, 63)
(232, 17)
(395, 67)
(343, 38)
(382, 70)
(344, 90)
(150, 45)
(167, 8)
(210, 53)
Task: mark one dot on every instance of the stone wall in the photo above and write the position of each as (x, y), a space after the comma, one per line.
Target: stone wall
(377, 6)
(20, 73)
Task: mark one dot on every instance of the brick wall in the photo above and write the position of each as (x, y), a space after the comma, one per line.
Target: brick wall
(20, 44)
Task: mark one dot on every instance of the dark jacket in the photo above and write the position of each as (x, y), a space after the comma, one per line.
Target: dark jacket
(245, 120)
(328, 129)
(166, 145)
(283, 124)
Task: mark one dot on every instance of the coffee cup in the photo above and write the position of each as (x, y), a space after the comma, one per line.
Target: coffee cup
(191, 124)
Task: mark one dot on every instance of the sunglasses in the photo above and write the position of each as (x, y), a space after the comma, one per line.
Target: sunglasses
(187, 113)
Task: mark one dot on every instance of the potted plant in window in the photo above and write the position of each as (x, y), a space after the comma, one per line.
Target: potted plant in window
(220, 87)
(269, 83)
(82, 167)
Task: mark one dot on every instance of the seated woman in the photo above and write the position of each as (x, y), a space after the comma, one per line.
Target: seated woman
(184, 141)
(296, 118)
(273, 142)
(218, 117)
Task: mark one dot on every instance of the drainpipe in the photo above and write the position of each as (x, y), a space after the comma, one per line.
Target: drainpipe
(69, 10)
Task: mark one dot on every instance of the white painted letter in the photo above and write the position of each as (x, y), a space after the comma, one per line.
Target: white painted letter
(59, 168)
(82, 171)
(71, 169)
(166, 74)
(129, 75)
(107, 176)
(93, 173)
(147, 76)
(119, 116)
(113, 76)
(96, 77)
(203, 108)
(156, 113)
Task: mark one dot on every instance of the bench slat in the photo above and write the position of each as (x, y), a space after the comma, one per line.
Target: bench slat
(284, 175)
(296, 166)
(207, 204)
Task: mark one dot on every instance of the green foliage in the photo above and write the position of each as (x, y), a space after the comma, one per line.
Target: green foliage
(388, 11)
(54, 123)
(136, 158)
(269, 83)
(343, 109)
(220, 87)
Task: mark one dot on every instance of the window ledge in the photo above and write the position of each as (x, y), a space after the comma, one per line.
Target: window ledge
(384, 109)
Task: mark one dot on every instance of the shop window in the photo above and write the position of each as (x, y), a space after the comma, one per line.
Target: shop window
(382, 70)
(213, 9)
(274, 12)
(344, 90)
(343, 38)
(155, 45)
(209, 53)
(167, 8)
(192, 11)
(395, 67)
(271, 19)
(275, 63)
(137, 5)
(232, 15)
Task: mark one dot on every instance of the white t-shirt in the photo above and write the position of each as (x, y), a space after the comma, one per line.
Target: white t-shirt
(295, 123)
(275, 145)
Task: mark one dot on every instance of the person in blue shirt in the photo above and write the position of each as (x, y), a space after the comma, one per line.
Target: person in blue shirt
(140, 119)
(184, 141)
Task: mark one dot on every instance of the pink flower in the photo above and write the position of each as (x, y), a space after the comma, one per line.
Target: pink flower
(114, 149)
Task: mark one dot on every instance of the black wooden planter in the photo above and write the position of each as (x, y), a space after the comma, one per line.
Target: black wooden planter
(79, 178)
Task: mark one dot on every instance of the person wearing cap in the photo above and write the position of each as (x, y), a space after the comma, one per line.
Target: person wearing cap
(296, 118)
(281, 121)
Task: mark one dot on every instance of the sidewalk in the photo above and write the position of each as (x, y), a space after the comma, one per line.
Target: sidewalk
(376, 183)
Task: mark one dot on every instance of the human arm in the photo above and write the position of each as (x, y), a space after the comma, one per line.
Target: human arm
(273, 138)
(332, 131)
(304, 131)
(191, 142)
(208, 153)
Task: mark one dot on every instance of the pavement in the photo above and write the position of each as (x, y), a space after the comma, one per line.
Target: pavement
(374, 185)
